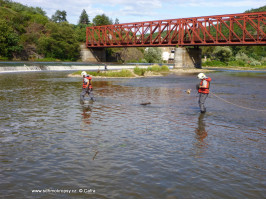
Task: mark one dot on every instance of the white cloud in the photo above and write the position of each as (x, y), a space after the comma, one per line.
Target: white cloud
(132, 11)
(140, 8)
(117, 8)
(93, 11)
(217, 3)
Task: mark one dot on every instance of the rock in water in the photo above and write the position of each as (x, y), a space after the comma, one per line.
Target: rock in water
(146, 103)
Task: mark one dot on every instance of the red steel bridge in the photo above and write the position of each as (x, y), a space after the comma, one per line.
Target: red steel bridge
(218, 30)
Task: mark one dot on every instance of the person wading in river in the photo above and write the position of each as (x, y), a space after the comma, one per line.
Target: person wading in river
(86, 87)
(203, 90)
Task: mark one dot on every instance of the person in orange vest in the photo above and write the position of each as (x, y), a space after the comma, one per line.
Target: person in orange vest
(203, 90)
(86, 87)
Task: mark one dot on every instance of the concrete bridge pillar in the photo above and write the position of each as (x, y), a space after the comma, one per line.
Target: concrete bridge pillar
(187, 57)
(92, 54)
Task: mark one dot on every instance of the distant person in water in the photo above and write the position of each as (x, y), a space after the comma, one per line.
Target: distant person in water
(203, 90)
(86, 87)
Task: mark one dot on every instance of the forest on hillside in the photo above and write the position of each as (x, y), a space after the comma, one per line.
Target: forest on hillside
(27, 33)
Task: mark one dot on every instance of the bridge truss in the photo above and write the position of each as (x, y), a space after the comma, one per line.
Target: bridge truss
(219, 30)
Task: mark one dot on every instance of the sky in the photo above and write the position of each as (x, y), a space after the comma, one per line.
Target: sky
(143, 10)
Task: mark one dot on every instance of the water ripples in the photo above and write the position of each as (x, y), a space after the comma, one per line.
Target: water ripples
(122, 149)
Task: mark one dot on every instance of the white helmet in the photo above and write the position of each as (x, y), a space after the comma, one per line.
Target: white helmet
(83, 73)
(201, 76)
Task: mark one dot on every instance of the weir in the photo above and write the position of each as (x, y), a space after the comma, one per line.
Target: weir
(52, 67)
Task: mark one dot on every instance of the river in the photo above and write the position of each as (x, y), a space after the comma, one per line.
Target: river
(54, 147)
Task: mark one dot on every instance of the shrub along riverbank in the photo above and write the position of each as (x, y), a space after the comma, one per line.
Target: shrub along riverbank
(154, 70)
(233, 64)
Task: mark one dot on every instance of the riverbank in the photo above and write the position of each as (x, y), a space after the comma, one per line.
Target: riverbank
(130, 73)
(7, 67)
(123, 73)
(32, 68)
(261, 68)
(154, 70)
(190, 70)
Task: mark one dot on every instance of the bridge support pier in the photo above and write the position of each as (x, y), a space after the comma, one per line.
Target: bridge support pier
(187, 57)
(92, 54)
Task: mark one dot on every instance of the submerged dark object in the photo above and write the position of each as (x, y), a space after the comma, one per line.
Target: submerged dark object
(95, 155)
(144, 104)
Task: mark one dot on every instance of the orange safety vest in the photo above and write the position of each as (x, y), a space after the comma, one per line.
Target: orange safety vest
(85, 83)
(207, 89)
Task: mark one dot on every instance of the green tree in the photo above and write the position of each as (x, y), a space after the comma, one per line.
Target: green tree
(40, 11)
(100, 20)
(9, 40)
(261, 9)
(223, 53)
(207, 51)
(80, 32)
(59, 16)
(153, 55)
(116, 21)
(60, 42)
(84, 18)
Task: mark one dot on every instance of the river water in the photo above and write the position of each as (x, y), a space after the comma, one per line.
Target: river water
(54, 147)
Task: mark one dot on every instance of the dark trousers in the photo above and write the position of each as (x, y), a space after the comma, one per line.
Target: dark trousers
(84, 92)
(202, 98)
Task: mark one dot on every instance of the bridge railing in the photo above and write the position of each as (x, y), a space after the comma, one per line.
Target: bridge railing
(234, 29)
